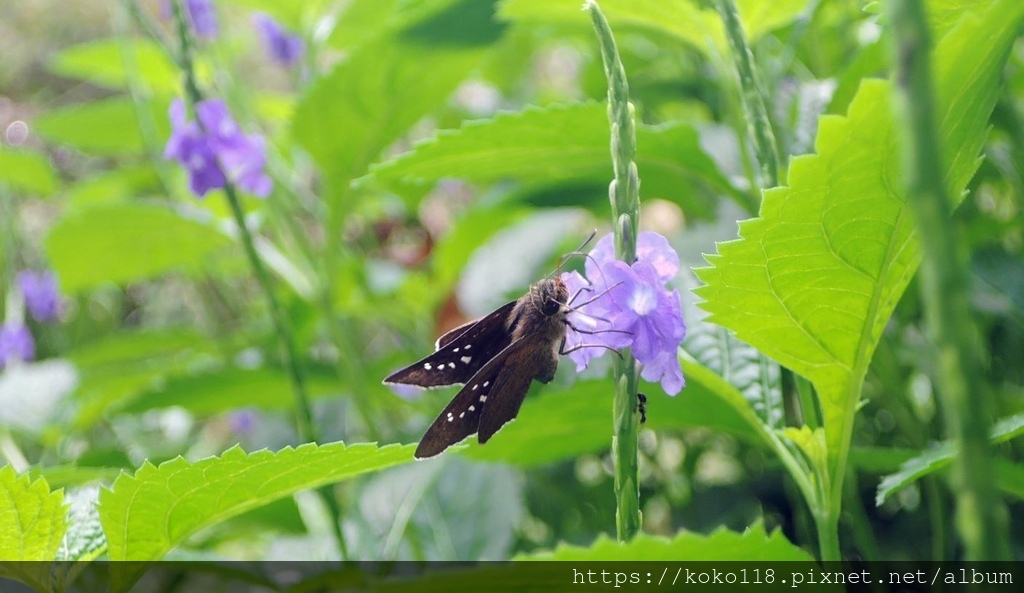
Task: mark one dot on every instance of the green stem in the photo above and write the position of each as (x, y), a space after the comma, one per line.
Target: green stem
(753, 101)
(625, 201)
(981, 517)
(282, 326)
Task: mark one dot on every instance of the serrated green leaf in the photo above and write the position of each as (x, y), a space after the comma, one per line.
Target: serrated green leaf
(146, 515)
(753, 545)
(102, 63)
(125, 242)
(104, 127)
(27, 171)
(365, 102)
(559, 144)
(32, 518)
(32, 523)
(685, 20)
(813, 280)
(940, 456)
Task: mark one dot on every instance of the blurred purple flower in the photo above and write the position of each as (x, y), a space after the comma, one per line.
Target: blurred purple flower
(214, 149)
(42, 298)
(201, 14)
(637, 311)
(16, 344)
(283, 47)
(243, 421)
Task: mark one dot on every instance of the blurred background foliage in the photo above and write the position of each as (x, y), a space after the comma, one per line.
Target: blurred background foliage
(397, 215)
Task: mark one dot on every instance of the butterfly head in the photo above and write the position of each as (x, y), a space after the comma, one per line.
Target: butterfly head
(549, 296)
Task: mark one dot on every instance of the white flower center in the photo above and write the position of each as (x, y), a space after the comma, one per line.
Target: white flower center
(643, 300)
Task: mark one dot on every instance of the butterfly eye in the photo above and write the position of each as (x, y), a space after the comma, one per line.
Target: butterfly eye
(550, 306)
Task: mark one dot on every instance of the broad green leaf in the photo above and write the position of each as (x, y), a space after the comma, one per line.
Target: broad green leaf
(102, 62)
(32, 523)
(560, 144)
(939, 457)
(753, 545)
(814, 279)
(290, 14)
(125, 242)
(114, 186)
(210, 393)
(556, 425)
(147, 514)
(104, 127)
(368, 101)
(118, 367)
(1010, 477)
(27, 171)
(686, 20)
(31, 517)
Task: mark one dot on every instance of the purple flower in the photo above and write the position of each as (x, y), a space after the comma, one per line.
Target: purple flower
(42, 298)
(16, 344)
(214, 149)
(201, 15)
(283, 47)
(243, 421)
(630, 308)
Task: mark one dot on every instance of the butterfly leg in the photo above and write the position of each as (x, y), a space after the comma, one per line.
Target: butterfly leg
(641, 406)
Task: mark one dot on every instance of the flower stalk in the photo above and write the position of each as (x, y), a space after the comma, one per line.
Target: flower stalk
(765, 147)
(981, 517)
(282, 326)
(624, 195)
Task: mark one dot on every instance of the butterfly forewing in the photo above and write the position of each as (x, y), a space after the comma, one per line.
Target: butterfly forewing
(460, 353)
(461, 417)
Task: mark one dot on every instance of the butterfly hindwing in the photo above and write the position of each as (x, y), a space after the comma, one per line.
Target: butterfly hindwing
(462, 417)
(461, 352)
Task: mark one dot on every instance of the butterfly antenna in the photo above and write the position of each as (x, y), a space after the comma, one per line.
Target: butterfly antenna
(577, 251)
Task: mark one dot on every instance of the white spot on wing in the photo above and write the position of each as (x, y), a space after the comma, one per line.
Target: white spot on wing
(461, 414)
(472, 409)
(468, 346)
(475, 385)
(486, 383)
(466, 359)
(426, 365)
(451, 365)
(456, 350)
(483, 398)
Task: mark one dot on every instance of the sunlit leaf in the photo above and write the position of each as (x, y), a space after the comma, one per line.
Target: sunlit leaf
(103, 63)
(147, 514)
(814, 279)
(32, 523)
(559, 144)
(27, 171)
(753, 545)
(104, 127)
(686, 20)
(125, 242)
(350, 115)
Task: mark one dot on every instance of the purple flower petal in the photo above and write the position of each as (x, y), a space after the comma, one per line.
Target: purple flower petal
(283, 47)
(214, 150)
(42, 297)
(645, 315)
(16, 344)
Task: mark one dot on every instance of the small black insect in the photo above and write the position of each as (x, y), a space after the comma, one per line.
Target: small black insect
(495, 358)
(641, 407)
